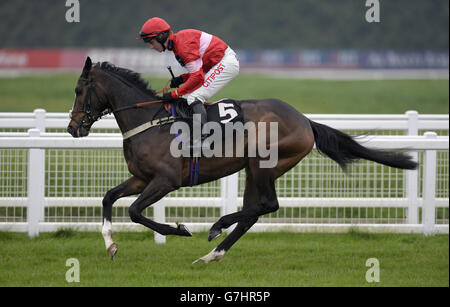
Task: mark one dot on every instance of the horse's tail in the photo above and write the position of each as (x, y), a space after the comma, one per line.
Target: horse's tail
(343, 149)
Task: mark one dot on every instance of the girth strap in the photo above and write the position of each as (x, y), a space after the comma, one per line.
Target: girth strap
(148, 125)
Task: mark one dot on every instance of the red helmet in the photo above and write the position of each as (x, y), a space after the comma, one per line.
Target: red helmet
(153, 27)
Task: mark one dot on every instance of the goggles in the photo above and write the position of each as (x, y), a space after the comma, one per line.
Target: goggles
(148, 37)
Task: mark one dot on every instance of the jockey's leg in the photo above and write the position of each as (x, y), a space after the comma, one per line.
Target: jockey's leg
(199, 109)
(200, 117)
(215, 80)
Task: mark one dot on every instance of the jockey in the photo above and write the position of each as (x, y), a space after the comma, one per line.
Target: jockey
(210, 63)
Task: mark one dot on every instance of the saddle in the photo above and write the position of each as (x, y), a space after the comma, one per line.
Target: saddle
(224, 112)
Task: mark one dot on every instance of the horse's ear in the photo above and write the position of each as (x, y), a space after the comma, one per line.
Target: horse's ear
(87, 67)
(88, 64)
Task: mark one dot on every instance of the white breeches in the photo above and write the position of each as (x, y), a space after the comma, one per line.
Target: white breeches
(216, 79)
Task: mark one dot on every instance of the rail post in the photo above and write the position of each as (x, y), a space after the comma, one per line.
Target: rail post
(36, 186)
(229, 195)
(412, 175)
(429, 188)
(39, 117)
(159, 214)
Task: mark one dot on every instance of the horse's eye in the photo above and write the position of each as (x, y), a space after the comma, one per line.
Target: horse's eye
(77, 91)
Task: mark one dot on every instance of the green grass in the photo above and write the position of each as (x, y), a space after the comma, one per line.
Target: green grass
(263, 259)
(55, 93)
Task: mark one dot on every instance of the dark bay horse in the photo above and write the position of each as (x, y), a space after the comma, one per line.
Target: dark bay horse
(155, 172)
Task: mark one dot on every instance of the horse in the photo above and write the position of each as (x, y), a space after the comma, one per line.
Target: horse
(105, 88)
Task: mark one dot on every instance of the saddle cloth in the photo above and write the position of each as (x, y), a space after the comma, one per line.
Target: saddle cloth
(223, 111)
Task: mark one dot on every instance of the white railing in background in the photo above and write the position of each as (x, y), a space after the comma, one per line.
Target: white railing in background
(37, 143)
(411, 121)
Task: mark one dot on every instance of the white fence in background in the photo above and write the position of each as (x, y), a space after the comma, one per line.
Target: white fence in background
(51, 180)
(411, 122)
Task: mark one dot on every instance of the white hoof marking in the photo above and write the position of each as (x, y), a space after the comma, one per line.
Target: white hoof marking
(107, 233)
(212, 256)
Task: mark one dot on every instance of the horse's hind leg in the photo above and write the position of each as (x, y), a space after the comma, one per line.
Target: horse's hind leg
(259, 198)
(217, 253)
(261, 186)
(154, 191)
(250, 199)
(131, 186)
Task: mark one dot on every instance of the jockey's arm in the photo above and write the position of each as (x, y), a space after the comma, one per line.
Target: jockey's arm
(192, 80)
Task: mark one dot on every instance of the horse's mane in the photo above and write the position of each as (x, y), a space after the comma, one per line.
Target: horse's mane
(127, 74)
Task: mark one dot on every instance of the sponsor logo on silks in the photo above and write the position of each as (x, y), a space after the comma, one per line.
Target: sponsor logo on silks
(215, 73)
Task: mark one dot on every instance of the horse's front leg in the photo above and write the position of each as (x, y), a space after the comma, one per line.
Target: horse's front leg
(132, 186)
(154, 191)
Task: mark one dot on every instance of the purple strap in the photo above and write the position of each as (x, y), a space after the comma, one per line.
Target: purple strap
(194, 170)
(195, 162)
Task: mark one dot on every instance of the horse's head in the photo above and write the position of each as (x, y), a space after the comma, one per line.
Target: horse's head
(89, 103)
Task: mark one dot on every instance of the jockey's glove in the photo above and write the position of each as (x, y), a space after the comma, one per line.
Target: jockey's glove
(176, 82)
(168, 97)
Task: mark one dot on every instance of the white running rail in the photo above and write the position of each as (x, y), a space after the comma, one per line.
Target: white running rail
(46, 195)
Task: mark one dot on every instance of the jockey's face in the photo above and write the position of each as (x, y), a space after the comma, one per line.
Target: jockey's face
(155, 45)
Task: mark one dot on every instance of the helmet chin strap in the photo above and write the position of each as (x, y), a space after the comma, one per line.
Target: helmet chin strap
(162, 39)
(170, 45)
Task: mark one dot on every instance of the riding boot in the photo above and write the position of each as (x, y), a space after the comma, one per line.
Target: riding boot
(199, 108)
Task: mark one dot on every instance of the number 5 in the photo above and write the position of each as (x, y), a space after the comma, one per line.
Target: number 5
(226, 109)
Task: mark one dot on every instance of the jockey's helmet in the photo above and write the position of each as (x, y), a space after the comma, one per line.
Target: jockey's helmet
(152, 28)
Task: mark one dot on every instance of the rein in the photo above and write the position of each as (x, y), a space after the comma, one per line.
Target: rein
(144, 104)
(137, 105)
(134, 106)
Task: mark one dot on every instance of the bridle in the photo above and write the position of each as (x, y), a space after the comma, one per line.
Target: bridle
(88, 119)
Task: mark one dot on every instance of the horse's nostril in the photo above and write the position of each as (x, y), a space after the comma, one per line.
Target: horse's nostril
(70, 129)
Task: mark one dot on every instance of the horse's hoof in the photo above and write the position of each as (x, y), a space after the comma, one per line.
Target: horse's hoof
(183, 231)
(212, 256)
(214, 233)
(112, 250)
(198, 260)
